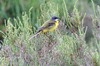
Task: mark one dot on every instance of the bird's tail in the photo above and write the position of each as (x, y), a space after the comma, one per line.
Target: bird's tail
(32, 36)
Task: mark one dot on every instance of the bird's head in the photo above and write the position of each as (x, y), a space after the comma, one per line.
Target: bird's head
(55, 18)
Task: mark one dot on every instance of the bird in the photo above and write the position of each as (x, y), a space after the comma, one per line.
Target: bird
(48, 26)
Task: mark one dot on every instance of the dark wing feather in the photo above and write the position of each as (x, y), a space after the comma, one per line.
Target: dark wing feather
(50, 24)
(40, 29)
(46, 25)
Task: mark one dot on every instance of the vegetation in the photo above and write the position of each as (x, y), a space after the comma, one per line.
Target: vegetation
(66, 46)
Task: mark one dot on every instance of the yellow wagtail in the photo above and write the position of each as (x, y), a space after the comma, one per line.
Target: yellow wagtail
(48, 26)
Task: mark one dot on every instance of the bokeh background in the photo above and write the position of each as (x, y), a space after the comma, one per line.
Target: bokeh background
(13, 9)
(76, 42)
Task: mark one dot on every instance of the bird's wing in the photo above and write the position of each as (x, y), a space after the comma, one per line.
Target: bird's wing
(46, 25)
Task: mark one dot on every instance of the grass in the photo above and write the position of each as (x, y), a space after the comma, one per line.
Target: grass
(58, 48)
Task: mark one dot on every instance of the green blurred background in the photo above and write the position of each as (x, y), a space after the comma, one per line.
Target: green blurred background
(61, 48)
(13, 8)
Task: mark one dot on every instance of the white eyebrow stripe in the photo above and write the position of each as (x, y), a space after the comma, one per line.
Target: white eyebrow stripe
(56, 19)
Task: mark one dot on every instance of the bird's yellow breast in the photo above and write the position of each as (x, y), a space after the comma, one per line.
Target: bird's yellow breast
(51, 28)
